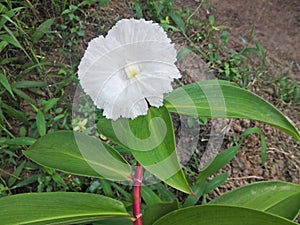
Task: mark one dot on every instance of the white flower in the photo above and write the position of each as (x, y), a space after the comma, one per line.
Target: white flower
(129, 69)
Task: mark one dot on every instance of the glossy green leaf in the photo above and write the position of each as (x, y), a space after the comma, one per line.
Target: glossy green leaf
(292, 203)
(221, 215)
(272, 196)
(151, 140)
(156, 211)
(58, 208)
(221, 99)
(80, 154)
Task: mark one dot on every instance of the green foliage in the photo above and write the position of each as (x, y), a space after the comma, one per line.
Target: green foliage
(203, 99)
(225, 215)
(59, 208)
(271, 196)
(79, 154)
(151, 141)
(33, 107)
(32, 83)
(288, 90)
(157, 10)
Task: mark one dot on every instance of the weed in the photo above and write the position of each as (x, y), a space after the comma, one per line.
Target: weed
(288, 90)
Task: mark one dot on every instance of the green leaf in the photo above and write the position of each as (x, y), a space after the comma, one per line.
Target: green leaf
(7, 13)
(28, 181)
(44, 28)
(50, 104)
(198, 189)
(80, 154)
(58, 208)
(220, 215)
(215, 182)
(179, 22)
(165, 193)
(149, 196)
(151, 140)
(292, 203)
(5, 84)
(40, 123)
(29, 84)
(156, 211)
(16, 174)
(3, 44)
(106, 187)
(220, 99)
(15, 113)
(217, 163)
(23, 95)
(115, 221)
(271, 196)
(263, 148)
(138, 10)
(20, 141)
(11, 39)
(256, 130)
(201, 186)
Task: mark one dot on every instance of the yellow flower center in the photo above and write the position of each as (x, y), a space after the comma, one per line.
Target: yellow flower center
(132, 70)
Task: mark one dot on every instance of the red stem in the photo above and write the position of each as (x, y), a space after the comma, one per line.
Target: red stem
(136, 194)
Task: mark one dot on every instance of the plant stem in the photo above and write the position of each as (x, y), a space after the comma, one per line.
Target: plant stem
(136, 194)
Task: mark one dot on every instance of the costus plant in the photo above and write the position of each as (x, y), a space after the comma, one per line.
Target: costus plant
(128, 75)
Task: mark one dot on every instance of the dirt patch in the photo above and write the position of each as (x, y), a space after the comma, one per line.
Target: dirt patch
(275, 24)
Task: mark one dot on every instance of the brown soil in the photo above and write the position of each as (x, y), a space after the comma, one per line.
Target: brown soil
(276, 24)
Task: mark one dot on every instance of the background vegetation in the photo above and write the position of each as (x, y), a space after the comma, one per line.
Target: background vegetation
(41, 44)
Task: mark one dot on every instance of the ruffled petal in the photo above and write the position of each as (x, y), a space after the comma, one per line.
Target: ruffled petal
(140, 47)
(124, 101)
(131, 31)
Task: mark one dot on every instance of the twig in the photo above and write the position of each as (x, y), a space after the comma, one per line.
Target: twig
(248, 177)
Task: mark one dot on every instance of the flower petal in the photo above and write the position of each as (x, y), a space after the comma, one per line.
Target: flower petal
(132, 31)
(139, 46)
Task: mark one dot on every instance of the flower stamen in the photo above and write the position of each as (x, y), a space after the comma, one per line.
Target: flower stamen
(132, 70)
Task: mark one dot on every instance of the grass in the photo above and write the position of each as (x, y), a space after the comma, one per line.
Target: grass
(41, 46)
